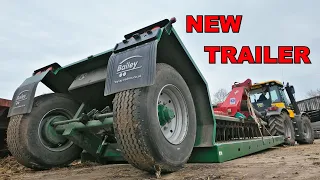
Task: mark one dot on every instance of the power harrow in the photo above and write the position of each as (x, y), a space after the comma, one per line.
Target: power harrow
(144, 102)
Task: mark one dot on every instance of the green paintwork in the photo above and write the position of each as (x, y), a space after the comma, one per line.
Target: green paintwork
(49, 132)
(86, 140)
(165, 114)
(111, 155)
(82, 60)
(222, 152)
(80, 134)
(93, 124)
(172, 46)
(240, 116)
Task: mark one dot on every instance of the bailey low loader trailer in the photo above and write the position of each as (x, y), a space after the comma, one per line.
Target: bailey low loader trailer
(144, 102)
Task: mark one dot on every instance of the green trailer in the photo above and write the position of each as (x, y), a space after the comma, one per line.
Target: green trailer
(144, 102)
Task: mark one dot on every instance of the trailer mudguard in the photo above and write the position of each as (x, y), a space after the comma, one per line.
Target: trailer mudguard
(133, 67)
(133, 64)
(23, 97)
(22, 100)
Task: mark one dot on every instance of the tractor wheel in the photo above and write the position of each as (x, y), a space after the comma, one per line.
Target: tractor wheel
(155, 126)
(282, 125)
(32, 140)
(308, 133)
(316, 135)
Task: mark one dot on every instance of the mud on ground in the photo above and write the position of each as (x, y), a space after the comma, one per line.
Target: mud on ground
(298, 162)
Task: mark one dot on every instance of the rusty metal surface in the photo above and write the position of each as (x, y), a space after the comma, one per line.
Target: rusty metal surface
(310, 104)
(4, 121)
(4, 103)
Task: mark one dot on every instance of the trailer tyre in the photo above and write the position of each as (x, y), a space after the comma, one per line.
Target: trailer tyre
(33, 142)
(282, 125)
(155, 126)
(308, 133)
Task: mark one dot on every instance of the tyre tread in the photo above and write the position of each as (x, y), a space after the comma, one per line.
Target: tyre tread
(127, 129)
(16, 143)
(276, 126)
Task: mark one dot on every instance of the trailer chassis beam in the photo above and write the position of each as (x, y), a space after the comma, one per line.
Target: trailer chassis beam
(80, 131)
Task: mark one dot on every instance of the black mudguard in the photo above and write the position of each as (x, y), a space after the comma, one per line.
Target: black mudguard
(133, 63)
(22, 100)
(23, 97)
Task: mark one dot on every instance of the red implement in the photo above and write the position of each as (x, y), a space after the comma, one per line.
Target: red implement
(236, 100)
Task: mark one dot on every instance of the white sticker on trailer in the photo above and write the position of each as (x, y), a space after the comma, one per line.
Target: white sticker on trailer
(232, 100)
(220, 153)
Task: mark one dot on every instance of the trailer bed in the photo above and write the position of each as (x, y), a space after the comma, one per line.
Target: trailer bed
(312, 107)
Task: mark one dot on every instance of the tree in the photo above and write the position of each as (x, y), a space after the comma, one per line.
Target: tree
(220, 96)
(313, 93)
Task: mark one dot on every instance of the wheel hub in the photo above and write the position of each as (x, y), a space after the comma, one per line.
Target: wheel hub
(165, 114)
(172, 114)
(48, 136)
(49, 132)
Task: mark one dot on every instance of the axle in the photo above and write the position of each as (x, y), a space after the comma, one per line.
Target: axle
(92, 124)
(99, 117)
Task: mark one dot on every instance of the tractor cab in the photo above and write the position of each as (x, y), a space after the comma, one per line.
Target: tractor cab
(268, 96)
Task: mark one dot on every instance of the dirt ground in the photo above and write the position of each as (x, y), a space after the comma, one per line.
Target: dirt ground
(297, 162)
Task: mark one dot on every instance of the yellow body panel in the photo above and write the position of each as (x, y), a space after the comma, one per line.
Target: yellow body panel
(260, 84)
(291, 113)
(282, 105)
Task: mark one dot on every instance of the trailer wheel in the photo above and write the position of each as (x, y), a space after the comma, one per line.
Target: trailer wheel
(34, 143)
(155, 126)
(308, 134)
(282, 125)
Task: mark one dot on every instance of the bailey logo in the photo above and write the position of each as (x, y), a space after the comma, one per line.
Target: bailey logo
(125, 66)
(22, 96)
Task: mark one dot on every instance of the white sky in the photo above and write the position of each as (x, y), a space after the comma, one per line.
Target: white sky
(36, 33)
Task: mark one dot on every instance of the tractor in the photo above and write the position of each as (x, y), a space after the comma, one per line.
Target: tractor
(283, 115)
(144, 102)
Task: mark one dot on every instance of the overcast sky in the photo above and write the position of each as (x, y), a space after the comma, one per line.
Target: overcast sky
(36, 33)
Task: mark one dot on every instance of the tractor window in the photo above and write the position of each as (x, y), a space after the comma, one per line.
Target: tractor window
(260, 98)
(255, 95)
(253, 98)
(274, 96)
(284, 97)
(274, 93)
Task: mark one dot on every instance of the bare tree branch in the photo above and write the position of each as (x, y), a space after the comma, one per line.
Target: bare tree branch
(220, 96)
(313, 93)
